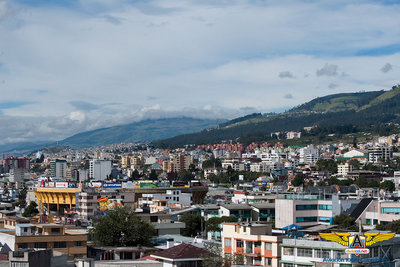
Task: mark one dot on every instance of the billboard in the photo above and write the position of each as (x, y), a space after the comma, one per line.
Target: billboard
(106, 203)
(61, 185)
(112, 185)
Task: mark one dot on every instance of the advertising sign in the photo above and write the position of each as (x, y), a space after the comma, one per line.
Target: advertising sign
(61, 184)
(357, 243)
(112, 185)
(106, 203)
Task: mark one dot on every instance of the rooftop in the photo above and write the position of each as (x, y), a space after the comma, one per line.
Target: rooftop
(182, 251)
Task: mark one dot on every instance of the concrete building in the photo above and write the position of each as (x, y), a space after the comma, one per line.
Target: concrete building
(309, 155)
(99, 169)
(58, 168)
(177, 163)
(173, 197)
(380, 153)
(16, 167)
(308, 210)
(46, 236)
(252, 240)
(345, 168)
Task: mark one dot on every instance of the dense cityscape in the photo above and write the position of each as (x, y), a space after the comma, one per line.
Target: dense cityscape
(256, 204)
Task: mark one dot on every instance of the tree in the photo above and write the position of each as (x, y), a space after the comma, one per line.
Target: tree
(298, 180)
(388, 186)
(31, 210)
(193, 224)
(392, 227)
(327, 165)
(121, 227)
(6, 193)
(214, 257)
(153, 175)
(344, 221)
(355, 163)
(213, 224)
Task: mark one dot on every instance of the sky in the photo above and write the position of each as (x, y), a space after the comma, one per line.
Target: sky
(77, 65)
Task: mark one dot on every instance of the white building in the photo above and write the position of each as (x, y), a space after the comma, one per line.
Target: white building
(99, 169)
(309, 155)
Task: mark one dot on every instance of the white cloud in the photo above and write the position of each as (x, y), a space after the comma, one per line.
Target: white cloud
(166, 58)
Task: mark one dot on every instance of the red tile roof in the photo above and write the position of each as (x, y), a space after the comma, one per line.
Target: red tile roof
(182, 251)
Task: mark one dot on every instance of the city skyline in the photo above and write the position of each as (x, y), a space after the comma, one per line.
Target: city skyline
(67, 67)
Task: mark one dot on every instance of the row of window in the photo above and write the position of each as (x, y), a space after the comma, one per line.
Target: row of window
(55, 245)
(318, 253)
(313, 219)
(391, 210)
(313, 207)
(240, 244)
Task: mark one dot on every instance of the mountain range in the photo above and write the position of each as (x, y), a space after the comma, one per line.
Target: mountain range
(361, 109)
(142, 131)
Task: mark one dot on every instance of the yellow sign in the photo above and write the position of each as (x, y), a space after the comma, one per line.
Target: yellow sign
(357, 243)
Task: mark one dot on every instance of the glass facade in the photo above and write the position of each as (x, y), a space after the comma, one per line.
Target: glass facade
(306, 207)
(306, 219)
(325, 207)
(391, 210)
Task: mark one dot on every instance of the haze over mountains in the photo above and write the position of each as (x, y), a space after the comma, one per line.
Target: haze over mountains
(362, 108)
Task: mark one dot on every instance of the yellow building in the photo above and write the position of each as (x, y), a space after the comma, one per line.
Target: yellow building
(56, 199)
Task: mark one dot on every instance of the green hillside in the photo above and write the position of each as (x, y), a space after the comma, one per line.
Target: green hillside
(362, 110)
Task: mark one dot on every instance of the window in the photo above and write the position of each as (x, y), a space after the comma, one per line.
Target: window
(19, 264)
(304, 252)
(239, 243)
(325, 207)
(306, 219)
(288, 251)
(78, 243)
(269, 261)
(288, 265)
(244, 229)
(25, 229)
(55, 230)
(22, 245)
(325, 219)
(177, 198)
(123, 197)
(60, 244)
(228, 242)
(268, 246)
(257, 244)
(391, 210)
(322, 253)
(306, 207)
(40, 244)
(339, 254)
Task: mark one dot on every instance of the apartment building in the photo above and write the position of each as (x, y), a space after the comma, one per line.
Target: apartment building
(345, 168)
(177, 163)
(173, 197)
(253, 241)
(46, 236)
(99, 169)
(308, 210)
(58, 168)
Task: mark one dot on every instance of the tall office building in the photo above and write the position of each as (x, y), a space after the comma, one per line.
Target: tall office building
(99, 169)
(58, 168)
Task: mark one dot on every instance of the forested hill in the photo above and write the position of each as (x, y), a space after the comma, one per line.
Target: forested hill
(354, 109)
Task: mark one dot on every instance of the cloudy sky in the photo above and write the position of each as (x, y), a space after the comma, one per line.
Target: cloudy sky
(70, 66)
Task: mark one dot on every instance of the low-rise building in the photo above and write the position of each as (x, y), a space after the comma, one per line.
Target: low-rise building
(46, 236)
(253, 241)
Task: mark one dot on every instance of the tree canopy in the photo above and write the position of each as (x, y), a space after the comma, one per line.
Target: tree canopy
(213, 224)
(121, 227)
(31, 210)
(392, 226)
(193, 224)
(346, 222)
